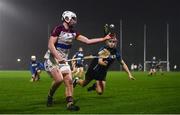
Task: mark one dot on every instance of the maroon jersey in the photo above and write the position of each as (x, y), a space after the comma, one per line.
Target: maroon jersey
(65, 38)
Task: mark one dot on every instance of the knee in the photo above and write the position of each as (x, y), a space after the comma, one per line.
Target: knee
(68, 80)
(59, 80)
(83, 83)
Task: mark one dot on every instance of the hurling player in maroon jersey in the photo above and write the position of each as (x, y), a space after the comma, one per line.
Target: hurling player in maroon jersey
(59, 44)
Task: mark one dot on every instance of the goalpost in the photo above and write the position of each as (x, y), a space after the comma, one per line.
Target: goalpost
(164, 63)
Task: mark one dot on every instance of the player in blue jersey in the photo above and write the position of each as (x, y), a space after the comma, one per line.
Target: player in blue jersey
(59, 45)
(78, 65)
(99, 67)
(35, 68)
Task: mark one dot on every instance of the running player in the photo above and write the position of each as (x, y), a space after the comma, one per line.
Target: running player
(35, 68)
(59, 44)
(78, 65)
(99, 67)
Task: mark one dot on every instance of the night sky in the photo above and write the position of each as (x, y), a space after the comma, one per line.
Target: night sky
(25, 24)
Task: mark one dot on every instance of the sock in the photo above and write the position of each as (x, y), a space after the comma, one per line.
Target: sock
(52, 91)
(69, 100)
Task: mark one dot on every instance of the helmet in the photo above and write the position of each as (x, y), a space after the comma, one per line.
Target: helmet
(68, 15)
(33, 58)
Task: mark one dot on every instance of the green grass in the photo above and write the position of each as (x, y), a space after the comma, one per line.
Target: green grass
(152, 95)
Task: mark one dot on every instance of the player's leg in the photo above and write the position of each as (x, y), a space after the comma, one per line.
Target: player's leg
(74, 71)
(76, 74)
(83, 83)
(69, 91)
(38, 75)
(150, 71)
(33, 75)
(57, 80)
(154, 71)
(100, 86)
(88, 78)
(32, 78)
(81, 72)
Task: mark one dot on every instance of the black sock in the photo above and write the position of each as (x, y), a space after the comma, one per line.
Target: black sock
(93, 87)
(51, 92)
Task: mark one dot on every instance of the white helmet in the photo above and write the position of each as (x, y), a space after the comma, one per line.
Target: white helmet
(33, 58)
(68, 15)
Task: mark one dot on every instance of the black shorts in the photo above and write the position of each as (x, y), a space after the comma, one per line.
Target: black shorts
(95, 74)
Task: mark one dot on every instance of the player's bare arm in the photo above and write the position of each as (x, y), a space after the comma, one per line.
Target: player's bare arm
(52, 48)
(92, 41)
(127, 70)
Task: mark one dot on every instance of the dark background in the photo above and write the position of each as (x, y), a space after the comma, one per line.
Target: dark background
(25, 26)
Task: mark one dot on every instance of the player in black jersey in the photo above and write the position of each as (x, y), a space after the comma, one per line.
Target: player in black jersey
(98, 68)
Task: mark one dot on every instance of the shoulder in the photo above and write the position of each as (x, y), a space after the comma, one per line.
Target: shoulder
(57, 30)
(117, 53)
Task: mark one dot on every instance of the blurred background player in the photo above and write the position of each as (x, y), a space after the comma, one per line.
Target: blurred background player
(78, 65)
(159, 67)
(153, 66)
(98, 68)
(140, 67)
(59, 45)
(35, 68)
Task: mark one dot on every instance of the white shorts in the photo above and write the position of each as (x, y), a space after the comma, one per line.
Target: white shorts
(49, 66)
(65, 68)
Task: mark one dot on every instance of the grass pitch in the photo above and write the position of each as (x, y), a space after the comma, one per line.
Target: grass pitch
(152, 95)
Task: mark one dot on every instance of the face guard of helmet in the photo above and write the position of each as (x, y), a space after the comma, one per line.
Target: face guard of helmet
(33, 58)
(112, 43)
(69, 17)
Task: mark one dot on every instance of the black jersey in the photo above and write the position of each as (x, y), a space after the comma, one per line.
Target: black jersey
(114, 54)
(97, 71)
